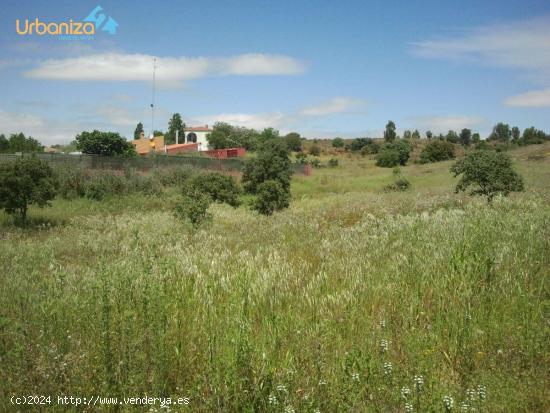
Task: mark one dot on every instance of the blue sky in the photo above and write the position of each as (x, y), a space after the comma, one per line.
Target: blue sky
(322, 68)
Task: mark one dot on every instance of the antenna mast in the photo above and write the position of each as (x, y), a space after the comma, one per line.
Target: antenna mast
(153, 99)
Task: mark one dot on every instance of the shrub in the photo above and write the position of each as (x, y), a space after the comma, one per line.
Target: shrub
(142, 183)
(104, 183)
(26, 182)
(436, 151)
(220, 188)
(337, 143)
(271, 163)
(315, 150)
(316, 163)
(488, 173)
(173, 176)
(400, 182)
(193, 207)
(301, 158)
(359, 143)
(387, 158)
(370, 149)
(333, 163)
(271, 197)
(72, 181)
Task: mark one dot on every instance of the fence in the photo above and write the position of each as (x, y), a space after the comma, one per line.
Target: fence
(141, 163)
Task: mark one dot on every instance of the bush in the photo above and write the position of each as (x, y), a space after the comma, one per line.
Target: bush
(271, 163)
(220, 188)
(400, 182)
(142, 183)
(436, 151)
(387, 158)
(173, 176)
(315, 150)
(72, 181)
(193, 207)
(301, 158)
(271, 197)
(316, 163)
(333, 163)
(104, 183)
(370, 149)
(337, 143)
(489, 173)
(25, 182)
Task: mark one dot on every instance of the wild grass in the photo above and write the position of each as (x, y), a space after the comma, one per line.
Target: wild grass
(352, 300)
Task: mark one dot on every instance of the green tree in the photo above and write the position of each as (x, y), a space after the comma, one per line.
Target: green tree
(158, 133)
(429, 135)
(221, 136)
(488, 173)
(387, 158)
(271, 163)
(104, 143)
(436, 151)
(533, 136)
(465, 137)
(451, 137)
(220, 188)
(501, 132)
(269, 133)
(516, 135)
(476, 138)
(138, 131)
(294, 141)
(18, 142)
(416, 134)
(393, 154)
(271, 197)
(337, 143)
(407, 134)
(27, 181)
(389, 134)
(4, 144)
(175, 124)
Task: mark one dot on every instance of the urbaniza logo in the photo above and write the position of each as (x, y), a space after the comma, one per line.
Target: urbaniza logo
(96, 21)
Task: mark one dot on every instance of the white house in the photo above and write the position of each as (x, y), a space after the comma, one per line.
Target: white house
(198, 135)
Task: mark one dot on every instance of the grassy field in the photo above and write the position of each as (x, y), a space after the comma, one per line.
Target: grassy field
(352, 300)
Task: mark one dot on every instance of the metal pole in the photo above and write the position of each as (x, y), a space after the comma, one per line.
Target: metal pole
(153, 100)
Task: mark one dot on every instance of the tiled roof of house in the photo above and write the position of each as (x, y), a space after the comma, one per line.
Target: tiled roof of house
(204, 128)
(179, 145)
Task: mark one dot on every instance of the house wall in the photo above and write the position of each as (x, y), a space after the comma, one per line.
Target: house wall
(201, 139)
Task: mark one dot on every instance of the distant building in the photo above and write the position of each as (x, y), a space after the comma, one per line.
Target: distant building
(145, 146)
(197, 135)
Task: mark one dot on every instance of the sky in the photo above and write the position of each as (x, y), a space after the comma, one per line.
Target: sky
(321, 68)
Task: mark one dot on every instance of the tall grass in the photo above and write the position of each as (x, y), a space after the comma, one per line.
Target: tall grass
(350, 302)
(300, 311)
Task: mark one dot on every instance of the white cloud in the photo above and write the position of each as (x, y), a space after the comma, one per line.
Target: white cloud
(281, 120)
(535, 99)
(248, 120)
(523, 45)
(335, 105)
(47, 131)
(170, 70)
(442, 124)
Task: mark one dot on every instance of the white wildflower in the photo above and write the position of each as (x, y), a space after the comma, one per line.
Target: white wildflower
(448, 403)
(418, 382)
